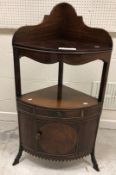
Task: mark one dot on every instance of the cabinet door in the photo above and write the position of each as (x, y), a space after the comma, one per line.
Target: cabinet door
(57, 138)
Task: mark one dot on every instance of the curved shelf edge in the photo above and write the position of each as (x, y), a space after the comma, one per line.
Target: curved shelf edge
(73, 58)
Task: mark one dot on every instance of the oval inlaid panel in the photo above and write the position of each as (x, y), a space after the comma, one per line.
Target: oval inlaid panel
(57, 138)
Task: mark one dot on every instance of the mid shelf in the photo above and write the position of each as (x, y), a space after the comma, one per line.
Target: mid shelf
(68, 99)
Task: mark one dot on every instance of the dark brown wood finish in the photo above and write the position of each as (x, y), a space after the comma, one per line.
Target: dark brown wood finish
(60, 76)
(58, 122)
(17, 72)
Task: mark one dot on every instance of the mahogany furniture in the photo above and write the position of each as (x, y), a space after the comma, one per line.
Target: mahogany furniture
(58, 122)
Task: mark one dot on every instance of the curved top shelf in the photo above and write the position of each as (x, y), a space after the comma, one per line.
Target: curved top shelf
(64, 46)
(63, 32)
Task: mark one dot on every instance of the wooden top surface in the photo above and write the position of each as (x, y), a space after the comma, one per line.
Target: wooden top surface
(63, 28)
(48, 98)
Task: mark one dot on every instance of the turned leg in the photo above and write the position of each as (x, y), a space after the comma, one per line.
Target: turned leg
(16, 161)
(93, 159)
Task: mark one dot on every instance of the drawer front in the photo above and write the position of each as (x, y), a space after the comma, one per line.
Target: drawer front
(56, 138)
(58, 113)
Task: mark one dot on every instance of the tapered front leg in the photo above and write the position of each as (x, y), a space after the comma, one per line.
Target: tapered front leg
(16, 161)
(94, 161)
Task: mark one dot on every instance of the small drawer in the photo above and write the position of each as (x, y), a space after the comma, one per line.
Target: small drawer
(74, 113)
(49, 113)
(58, 113)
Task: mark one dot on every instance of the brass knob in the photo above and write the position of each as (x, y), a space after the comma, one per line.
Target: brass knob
(38, 135)
(59, 114)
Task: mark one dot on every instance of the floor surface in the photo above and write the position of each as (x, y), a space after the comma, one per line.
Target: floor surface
(29, 165)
